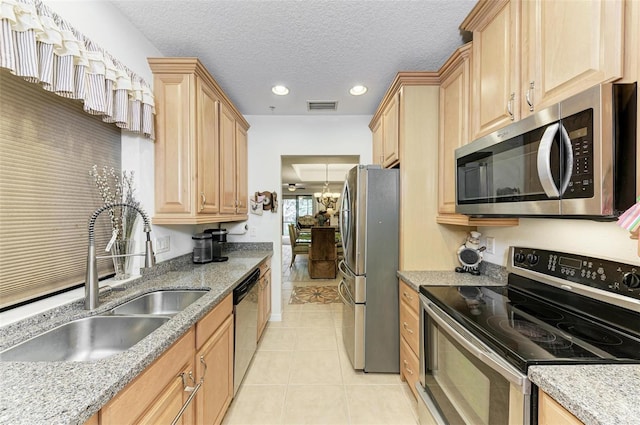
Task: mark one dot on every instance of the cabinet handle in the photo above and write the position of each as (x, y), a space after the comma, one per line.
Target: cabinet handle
(204, 372)
(406, 367)
(192, 390)
(204, 200)
(510, 105)
(406, 327)
(407, 296)
(529, 97)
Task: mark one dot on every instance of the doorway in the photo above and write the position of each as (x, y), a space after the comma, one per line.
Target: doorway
(304, 177)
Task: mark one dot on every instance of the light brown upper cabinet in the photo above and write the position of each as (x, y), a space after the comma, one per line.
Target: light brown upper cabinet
(201, 147)
(233, 165)
(530, 54)
(454, 123)
(454, 133)
(417, 97)
(495, 70)
(570, 46)
(376, 130)
(386, 133)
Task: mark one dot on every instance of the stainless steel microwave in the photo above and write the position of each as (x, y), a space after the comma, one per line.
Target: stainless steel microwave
(575, 159)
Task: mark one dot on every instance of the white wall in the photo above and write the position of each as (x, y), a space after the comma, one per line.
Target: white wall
(270, 137)
(104, 24)
(597, 239)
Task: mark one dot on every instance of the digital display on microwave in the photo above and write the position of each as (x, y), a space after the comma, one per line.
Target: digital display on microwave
(581, 132)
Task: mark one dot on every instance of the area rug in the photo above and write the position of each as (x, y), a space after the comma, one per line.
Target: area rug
(314, 294)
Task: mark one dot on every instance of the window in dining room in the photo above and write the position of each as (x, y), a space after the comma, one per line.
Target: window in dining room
(294, 207)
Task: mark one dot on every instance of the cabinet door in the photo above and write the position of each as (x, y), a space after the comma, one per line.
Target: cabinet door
(264, 302)
(495, 99)
(216, 392)
(169, 403)
(242, 189)
(227, 161)
(377, 143)
(391, 132)
(267, 301)
(158, 391)
(174, 136)
(454, 118)
(572, 46)
(208, 150)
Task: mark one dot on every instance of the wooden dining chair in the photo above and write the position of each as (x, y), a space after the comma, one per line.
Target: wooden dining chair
(297, 248)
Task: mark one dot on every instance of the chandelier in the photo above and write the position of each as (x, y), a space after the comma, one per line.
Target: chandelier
(326, 197)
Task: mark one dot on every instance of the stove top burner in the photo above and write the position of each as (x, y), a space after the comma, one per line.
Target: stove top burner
(527, 330)
(589, 333)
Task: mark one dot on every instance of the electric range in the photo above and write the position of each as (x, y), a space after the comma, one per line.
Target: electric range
(557, 308)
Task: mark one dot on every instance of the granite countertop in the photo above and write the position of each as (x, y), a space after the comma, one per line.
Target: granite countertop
(71, 392)
(415, 279)
(595, 394)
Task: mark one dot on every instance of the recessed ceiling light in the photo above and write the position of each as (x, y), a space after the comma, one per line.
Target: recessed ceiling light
(280, 90)
(358, 90)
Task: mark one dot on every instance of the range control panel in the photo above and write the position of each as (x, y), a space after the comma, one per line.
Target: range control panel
(606, 275)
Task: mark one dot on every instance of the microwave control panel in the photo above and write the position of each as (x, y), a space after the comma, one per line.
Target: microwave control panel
(606, 275)
(580, 130)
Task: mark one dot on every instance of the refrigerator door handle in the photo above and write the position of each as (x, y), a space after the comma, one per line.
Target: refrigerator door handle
(341, 293)
(344, 272)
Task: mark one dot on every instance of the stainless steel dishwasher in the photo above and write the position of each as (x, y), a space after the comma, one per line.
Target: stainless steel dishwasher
(245, 309)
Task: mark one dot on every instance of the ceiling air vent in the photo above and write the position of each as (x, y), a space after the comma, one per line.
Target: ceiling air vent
(318, 105)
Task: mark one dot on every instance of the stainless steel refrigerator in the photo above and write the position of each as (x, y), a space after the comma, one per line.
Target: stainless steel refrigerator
(369, 220)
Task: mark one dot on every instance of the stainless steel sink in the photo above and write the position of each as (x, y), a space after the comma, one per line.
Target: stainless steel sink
(163, 303)
(91, 338)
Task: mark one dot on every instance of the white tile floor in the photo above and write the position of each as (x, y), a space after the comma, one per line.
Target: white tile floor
(301, 374)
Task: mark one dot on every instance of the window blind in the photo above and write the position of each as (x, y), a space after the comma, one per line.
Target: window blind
(47, 147)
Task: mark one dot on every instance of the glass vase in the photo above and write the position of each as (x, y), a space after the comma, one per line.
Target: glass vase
(122, 251)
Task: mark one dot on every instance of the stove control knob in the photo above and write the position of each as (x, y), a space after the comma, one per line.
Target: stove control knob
(533, 259)
(519, 257)
(631, 279)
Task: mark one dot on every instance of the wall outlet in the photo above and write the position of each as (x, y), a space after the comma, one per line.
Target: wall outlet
(491, 245)
(163, 244)
(252, 232)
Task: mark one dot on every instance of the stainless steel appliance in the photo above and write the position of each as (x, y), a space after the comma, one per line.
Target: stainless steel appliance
(369, 217)
(574, 159)
(557, 308)
(245, 310)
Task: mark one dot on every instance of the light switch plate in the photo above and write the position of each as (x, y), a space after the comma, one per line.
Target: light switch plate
(491, 245)
(163, 244)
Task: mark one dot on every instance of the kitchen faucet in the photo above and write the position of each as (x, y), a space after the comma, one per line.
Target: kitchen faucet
(91, 280)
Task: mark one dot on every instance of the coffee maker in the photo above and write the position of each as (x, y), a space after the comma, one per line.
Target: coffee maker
(218, 239)
(208, 246)
(202, 248)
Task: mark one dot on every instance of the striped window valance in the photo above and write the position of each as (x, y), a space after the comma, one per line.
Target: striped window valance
(41, 47)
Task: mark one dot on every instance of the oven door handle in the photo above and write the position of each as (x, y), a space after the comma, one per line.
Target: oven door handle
(476, 348)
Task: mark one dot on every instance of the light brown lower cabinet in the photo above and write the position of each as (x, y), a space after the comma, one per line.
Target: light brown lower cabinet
(264, 296)
(550, 412)
(158, 394)
(409, 336)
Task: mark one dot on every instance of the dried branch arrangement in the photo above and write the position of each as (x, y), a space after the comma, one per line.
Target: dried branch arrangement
(116, 188)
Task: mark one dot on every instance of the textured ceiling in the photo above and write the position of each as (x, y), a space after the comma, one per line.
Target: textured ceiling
(319, 49)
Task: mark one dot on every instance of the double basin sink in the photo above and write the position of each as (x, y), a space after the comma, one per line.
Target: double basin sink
(98, 337)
